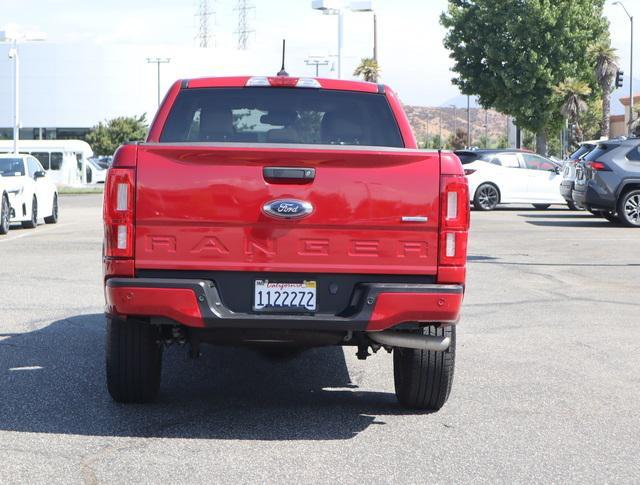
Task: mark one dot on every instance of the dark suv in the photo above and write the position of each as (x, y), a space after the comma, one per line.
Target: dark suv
(608, 181)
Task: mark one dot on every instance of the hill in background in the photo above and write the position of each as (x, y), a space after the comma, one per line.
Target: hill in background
(426, 122)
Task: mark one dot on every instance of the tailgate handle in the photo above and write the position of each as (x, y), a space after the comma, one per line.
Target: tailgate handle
(289, 173)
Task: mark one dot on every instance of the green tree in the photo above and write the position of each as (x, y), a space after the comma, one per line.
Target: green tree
(573, 95)
(458, 140)
(591, 121)
(368, 69)
(433, 142)
(107, 136)
(511, 53)
(502, 142)
(606, 61)
(484, 141)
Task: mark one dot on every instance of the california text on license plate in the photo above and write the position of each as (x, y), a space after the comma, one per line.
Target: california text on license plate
(279, 296)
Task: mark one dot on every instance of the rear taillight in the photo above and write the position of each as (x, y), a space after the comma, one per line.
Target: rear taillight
(118, 212)
(598, 167)
(454, 217)
(469, 171)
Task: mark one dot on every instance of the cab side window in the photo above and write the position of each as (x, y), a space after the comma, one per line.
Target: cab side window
(534, 162)
(33, 166)
(508, 160)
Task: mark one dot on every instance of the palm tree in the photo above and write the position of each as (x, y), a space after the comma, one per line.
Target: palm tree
(573, 92)
(368, 69)
(606, 68)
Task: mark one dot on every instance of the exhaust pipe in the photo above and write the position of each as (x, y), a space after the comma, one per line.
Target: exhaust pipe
(411, 341)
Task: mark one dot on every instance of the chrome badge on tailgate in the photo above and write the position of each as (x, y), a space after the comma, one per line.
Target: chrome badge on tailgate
(287, 208)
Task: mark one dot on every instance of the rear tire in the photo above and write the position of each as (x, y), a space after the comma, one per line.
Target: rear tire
(487, 197)
(31, 224)
(5, 215)
(133, 360)
(53, 218)
(611, 217)
(423, 378)
(629, 208)
(572, 206)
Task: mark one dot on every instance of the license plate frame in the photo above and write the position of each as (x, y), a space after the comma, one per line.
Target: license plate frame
(285, 296)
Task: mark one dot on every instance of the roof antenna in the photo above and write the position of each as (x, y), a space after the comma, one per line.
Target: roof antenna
(282, 71)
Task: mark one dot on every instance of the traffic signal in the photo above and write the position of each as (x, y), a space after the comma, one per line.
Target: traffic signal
(619, 78)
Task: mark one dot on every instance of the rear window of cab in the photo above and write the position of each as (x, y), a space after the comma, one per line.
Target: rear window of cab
(281, 115)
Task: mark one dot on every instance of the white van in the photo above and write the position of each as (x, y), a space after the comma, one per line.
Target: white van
(64, 160)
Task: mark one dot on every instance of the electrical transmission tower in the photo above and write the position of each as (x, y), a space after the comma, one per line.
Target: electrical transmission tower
(243, 7)
(204, 33)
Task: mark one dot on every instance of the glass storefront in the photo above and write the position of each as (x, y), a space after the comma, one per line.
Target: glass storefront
(46, 133)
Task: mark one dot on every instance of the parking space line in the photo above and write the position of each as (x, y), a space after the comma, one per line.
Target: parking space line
(35, 232)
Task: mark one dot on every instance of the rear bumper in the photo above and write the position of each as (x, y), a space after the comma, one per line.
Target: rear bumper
(588, 196)
(197, 303)
(566, 189)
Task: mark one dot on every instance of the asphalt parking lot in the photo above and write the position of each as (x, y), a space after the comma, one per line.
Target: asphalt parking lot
(547, 384)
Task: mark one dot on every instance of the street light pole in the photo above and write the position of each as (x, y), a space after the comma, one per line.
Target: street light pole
(13, 54)
(317, 63)
(455, 120)
(440, 127)
(336, 7)
(631, 114)
(630, 68)
(375, 37)
(158, 61)
(340, 28)
(13, 39)
(468, 121)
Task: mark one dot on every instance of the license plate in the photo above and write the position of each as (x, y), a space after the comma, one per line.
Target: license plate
(284, 297)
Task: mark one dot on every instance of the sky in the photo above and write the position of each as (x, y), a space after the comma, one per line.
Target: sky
(413, 59)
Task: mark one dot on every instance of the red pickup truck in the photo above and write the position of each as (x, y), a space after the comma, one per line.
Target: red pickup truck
(284, 213)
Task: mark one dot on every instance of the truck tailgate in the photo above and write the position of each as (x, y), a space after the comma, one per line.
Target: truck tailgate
(200, 207)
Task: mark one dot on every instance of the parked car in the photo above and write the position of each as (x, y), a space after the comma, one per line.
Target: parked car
(31, 194)
(96, 173)
(569, 171)
(103, 162)
(5, 208)
(608, 181)
(511, 177)
(293, 213)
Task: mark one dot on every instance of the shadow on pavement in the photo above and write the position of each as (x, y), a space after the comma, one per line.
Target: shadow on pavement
(52, 381)
(562, 215)
(580, 223)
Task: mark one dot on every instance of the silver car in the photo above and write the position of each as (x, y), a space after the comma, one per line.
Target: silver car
(569, 172)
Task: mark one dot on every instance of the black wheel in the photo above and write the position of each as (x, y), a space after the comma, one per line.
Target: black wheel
(134, 360)
(572, 206)
(53, 218)
(34, 215)
(487, 197)
(542, 207)
(629, 208)
(611, 217)
(423, 378)
(5, 210)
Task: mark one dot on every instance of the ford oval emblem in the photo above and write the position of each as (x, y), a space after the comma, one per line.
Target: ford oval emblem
(288, 208)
